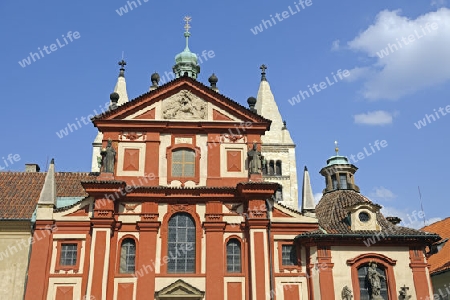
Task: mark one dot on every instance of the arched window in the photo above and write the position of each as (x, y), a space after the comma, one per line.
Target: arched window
(264, 166)
(372, 281)
(373, 270)
(181, 244)
(278, 168)
(271, 167)
(127, 256)
(234, 256)
(183, 163)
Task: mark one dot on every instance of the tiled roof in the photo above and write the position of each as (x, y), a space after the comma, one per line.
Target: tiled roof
(440, 261)
(332, 214)
(20, 191)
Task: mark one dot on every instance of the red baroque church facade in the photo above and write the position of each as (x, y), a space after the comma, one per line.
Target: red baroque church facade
(179, 215)
(193, 196)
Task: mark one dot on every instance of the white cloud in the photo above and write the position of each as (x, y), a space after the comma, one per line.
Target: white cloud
(412, 219)
(317, 197)
(399, 66)
(382, 193)
(438, 3)
(335, 45)
(359, 73)
(378, 117)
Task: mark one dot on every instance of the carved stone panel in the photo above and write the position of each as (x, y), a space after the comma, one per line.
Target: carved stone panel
(184, 106)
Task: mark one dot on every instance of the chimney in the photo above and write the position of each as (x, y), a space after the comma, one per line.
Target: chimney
(33, 168)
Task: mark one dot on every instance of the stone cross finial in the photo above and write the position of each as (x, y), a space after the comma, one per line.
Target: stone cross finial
(122, 64)
(263, 72)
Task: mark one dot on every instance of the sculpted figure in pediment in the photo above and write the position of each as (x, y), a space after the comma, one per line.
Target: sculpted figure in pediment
(184, 106)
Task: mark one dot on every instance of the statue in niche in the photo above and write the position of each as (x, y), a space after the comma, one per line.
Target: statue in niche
(346, 293)
(254, 160)
(185, 107)
(109, 157)
(374, 279)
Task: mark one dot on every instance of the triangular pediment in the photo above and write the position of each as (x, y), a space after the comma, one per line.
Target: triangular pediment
(183, 99)
(180, 290)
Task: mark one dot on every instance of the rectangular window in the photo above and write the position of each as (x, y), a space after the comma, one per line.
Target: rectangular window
(343, 181)
(334, 180)
(288, 255)
(68, 255)
(183, 163)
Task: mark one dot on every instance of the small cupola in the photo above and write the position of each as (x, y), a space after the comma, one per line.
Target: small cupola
(339, 173)
(186, 63)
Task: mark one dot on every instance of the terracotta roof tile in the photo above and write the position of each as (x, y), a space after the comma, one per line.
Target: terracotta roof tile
(441, 261)
(20, 191)
(332, 214)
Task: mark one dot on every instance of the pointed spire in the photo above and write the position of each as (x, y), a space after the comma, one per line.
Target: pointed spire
(267, 107)
(48, 192)
(308, 205)
(121, 85)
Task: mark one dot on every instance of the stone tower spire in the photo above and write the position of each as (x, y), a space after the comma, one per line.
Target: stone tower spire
(121, 90)
(277, 147)
(308, 205)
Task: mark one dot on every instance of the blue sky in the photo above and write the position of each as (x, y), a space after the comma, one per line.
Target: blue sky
(384, 95)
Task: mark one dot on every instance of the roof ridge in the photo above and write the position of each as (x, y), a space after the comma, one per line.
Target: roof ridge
(168, 84)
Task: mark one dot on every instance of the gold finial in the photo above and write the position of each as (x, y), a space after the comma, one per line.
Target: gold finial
(337, 148)
(187, 19)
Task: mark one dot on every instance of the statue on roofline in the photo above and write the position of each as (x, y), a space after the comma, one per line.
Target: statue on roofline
(109, 157)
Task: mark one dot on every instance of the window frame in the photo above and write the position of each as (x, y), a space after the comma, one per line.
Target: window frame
(278, 168)
(271, 168)
(241, 249)
(122, 241)
(183, 162)
(282, 267)
(171, 210)
(183, 243)
(185, 146)
(334, 182)
(388, 265)
(119, 251)
(341, 177)
(75, 268)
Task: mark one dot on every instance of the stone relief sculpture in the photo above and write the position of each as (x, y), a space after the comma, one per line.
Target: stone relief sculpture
(184, 106)
(346, 293)
(109, 157)
(254, 160)
(374, 279)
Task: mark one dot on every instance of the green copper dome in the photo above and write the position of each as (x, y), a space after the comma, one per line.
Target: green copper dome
(337, 160)
(186, 62)
(186, 56)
